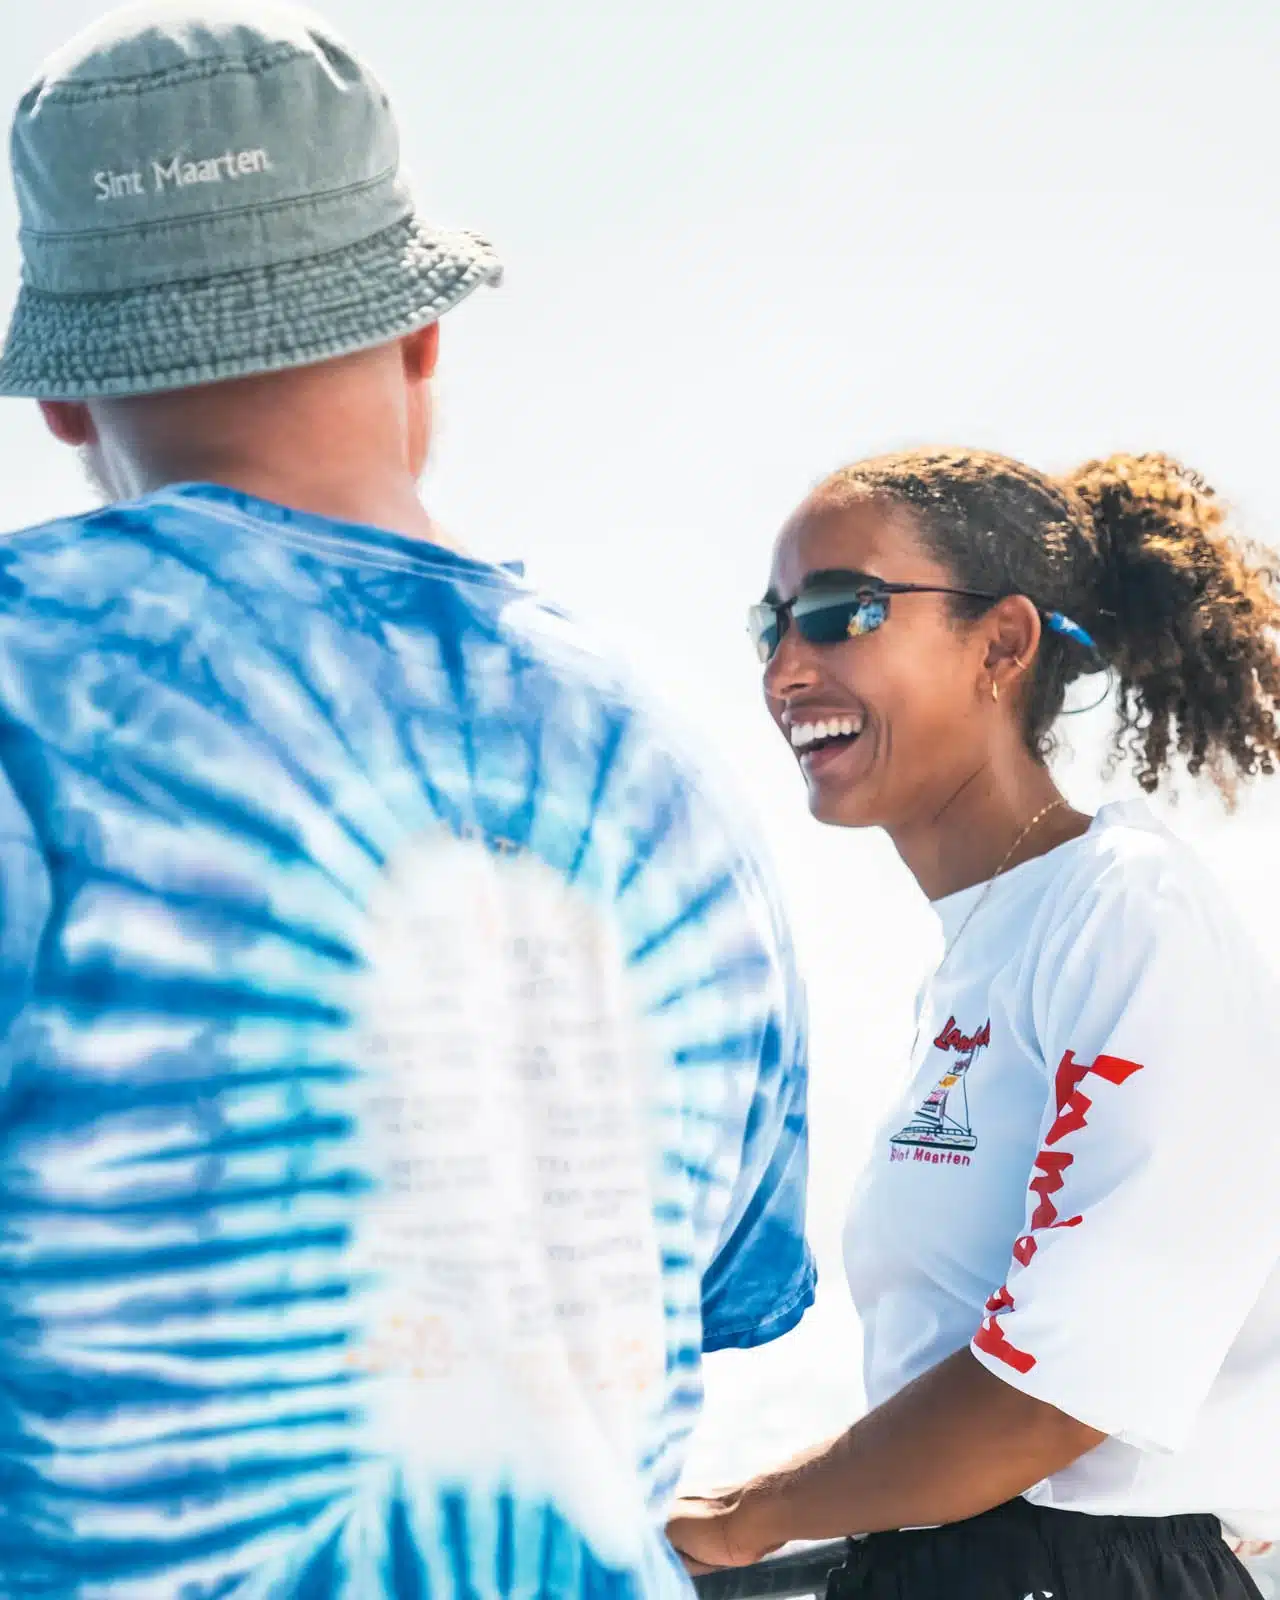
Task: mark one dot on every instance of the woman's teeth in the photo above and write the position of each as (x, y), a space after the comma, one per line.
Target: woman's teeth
(807, 733)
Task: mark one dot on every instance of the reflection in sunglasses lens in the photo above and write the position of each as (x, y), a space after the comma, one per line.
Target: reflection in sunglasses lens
(869, 616)
(849, 617)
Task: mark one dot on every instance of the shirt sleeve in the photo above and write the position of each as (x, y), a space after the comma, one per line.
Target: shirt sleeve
(714, 972)
(1153, 1208)
(762, 1277)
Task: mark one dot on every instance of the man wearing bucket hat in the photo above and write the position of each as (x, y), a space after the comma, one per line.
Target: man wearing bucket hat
(401, 1063)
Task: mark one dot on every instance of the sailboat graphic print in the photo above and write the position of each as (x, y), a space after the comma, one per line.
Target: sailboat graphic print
(942, 1120)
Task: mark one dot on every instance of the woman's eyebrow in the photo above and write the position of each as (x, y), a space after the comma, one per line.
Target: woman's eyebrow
(834, 577)
(822, 578)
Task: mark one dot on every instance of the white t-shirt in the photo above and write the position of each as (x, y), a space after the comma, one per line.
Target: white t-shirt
(1083, 1183)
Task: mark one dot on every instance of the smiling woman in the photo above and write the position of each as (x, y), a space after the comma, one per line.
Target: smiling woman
(1060, 1148)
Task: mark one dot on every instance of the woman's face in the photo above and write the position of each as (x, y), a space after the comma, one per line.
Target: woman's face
(911, 701)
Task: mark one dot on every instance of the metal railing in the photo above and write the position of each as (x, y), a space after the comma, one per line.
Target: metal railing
(800, 1569)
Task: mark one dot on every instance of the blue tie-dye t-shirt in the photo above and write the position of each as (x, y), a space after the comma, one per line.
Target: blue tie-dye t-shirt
(402, 1076)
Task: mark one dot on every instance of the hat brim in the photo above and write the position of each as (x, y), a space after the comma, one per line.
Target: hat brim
(267, 319)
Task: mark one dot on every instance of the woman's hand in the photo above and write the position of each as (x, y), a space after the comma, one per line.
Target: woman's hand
(710, 1532)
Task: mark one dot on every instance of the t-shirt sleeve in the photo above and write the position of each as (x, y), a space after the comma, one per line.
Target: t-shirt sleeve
(1153, 1208)
(713, 967)
(762, 1277)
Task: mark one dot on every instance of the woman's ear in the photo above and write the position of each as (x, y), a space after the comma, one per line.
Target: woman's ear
(1013, 636)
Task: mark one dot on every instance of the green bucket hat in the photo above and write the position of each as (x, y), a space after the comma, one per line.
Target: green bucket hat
(209, 191)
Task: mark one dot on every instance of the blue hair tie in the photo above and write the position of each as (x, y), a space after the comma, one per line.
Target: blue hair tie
(1070, 630)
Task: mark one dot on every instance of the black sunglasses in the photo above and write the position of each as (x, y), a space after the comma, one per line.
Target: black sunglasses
(839, 606)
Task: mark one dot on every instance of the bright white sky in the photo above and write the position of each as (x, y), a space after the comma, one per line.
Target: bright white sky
(748, 243)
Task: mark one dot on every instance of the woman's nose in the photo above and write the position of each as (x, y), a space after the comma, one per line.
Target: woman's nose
(792, 668)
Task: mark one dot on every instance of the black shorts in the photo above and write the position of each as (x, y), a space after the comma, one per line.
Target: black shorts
(1025, 1552)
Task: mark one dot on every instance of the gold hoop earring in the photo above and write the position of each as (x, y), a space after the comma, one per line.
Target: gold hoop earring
(1019, 663)
(995, 692)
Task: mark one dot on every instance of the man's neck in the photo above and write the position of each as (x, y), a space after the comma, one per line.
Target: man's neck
(386, 500)
(344, 439)
(389, 501)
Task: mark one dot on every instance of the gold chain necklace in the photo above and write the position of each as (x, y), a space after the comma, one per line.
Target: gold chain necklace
(978, 904)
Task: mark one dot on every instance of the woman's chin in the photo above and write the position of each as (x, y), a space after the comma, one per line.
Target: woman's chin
(844, 805)
(840, 781)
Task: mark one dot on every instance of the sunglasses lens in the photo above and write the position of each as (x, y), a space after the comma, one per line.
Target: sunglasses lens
(821, 619)
(834, 618)
(762, 625)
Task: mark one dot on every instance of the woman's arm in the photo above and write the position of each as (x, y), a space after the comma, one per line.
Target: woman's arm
(956, 1442)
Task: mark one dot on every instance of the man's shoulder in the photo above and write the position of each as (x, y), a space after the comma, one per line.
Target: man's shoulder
(43, 539)
(68, 552)
(579, 660)
(660, 772)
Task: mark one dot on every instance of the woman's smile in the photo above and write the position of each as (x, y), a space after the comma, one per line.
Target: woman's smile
(832, 748)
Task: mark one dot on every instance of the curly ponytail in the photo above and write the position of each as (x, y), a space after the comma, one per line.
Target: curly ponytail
(1186, 617)
(1138, 550)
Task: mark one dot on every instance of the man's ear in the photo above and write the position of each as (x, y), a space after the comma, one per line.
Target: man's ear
(70, 422)
(421, 352)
